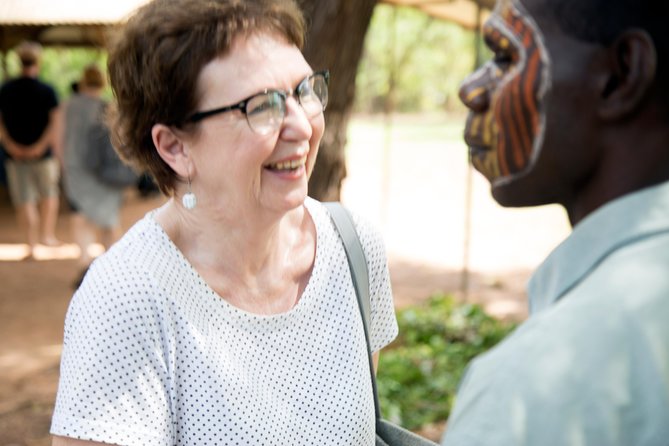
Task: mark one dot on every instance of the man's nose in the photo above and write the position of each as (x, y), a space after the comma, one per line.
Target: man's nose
(474, 92)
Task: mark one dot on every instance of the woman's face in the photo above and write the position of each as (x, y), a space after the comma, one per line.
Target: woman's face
(234, 168)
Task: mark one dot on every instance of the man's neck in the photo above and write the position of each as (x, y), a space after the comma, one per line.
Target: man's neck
(635, 157)
(31, 71)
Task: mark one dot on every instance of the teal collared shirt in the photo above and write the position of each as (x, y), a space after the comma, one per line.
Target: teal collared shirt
(590, 367)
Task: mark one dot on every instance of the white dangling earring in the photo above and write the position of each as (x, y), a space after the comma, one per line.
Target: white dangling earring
(189, 201)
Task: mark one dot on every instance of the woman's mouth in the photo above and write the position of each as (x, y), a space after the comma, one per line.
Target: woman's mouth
(287, 166)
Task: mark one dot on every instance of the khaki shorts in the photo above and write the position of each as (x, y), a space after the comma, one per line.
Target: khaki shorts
(30, 181)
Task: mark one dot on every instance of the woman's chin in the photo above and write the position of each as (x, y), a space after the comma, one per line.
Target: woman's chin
(289, 201)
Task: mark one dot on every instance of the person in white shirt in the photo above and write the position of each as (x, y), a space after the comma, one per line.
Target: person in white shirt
(228, 315)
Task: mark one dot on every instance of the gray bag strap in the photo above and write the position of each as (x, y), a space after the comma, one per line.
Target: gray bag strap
(357, 263)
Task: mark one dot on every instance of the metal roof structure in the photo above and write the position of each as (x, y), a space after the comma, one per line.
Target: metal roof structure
(62, 22)
(71, 12)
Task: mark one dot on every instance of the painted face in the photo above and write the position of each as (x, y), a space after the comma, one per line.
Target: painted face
(505, 127)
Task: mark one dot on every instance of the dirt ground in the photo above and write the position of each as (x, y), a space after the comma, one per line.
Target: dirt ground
(35, 294)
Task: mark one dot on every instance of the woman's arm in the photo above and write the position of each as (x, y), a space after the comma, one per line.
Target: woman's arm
(65, 441)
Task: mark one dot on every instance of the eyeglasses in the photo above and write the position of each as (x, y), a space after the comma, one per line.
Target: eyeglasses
(266, 110)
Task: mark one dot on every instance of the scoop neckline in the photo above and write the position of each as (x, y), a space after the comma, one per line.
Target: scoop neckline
(304, 300)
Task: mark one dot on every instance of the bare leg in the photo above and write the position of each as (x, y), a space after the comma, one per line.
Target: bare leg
(49, 214)
(28, 221)
(83, 235)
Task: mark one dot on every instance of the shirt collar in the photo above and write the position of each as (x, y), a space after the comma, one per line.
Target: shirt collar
(613, 225)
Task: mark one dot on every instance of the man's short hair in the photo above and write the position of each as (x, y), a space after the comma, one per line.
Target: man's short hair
(602, 21)
(29, 53)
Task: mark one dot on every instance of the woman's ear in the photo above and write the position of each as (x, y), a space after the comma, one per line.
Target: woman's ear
(171, 148)
(632, 70)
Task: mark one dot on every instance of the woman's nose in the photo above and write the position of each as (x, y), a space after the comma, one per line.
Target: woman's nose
(296, 118)
(474, 91)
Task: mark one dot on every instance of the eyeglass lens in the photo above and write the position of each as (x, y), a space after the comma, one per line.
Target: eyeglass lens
(265, 112)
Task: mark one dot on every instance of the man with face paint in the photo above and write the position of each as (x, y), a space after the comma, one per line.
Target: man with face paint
(574, 109)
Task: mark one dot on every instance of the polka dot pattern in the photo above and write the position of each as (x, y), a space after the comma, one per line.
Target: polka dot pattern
(153, 356)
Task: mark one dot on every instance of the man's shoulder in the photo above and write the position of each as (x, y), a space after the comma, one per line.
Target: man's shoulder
(8, 87)
(567, 362)
(22, 86)
(47, 91)
(10, 83)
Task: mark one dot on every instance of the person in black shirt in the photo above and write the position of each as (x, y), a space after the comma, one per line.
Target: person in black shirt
(28, 110)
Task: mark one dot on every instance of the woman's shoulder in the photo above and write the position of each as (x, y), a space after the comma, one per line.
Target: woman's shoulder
(143, 235)
(370, 236)
(128, 263)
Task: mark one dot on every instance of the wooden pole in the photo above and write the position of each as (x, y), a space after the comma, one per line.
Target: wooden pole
(464, 279)
(388, 111)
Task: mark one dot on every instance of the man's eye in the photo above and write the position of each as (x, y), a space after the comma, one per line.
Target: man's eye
(503, 59)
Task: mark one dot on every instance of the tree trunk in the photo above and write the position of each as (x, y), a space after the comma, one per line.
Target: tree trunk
(335, 40)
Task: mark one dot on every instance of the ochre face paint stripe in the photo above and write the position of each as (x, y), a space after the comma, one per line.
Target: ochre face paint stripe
(475, 124)
(487, 129)
(526, 140)
(534, 64)
(514, 127)
(518, 25)
(527, 39)
(501, 137)
(501, 149)
(513, 124)
(529, 81)
(524, 98)
(530, 85)
(474, 93)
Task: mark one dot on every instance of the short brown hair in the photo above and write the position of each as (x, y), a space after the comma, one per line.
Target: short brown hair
(92, 77)
(29, 53)
(155, 63)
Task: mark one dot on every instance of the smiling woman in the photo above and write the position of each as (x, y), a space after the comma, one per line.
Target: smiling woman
(228, 315)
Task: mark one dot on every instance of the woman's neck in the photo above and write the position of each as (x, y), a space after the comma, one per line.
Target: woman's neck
(248, 258)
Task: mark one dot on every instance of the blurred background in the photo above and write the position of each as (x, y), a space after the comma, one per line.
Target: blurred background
(393, 152)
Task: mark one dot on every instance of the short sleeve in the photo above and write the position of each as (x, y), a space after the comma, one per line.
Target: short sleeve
(50, 98)
(383, 321)
(114, 379)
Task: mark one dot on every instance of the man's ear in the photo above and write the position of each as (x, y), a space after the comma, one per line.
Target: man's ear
(632, 70)
(171, 149)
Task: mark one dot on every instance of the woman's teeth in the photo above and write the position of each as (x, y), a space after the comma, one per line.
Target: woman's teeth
(288, 165)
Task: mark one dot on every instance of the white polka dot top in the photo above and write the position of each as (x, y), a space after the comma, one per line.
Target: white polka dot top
(153, 356)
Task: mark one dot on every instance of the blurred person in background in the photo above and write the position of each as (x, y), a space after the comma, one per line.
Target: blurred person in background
(573, 109)
(28, 115)
(228, 315)
(94, 203)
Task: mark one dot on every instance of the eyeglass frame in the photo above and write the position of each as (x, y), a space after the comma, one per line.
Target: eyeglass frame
(241, 105)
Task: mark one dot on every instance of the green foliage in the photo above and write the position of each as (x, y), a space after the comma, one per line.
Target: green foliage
(60, 67)
(427, 58)
(420, 371)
